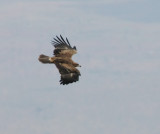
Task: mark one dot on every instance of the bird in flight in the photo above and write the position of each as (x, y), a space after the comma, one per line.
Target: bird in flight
(62, 58)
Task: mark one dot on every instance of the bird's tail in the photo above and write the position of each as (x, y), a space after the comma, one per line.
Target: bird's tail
(45, 59)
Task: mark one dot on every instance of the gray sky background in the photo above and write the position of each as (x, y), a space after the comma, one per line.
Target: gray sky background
(118, 44)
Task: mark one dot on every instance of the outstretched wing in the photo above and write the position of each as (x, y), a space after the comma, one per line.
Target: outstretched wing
(63, 47)
(69, 73)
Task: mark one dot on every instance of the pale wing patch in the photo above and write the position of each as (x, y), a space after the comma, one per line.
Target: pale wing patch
(68, 53)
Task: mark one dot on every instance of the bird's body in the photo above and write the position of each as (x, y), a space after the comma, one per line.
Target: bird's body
(63, 60)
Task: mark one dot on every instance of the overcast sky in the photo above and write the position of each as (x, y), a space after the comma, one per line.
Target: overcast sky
(118, 44)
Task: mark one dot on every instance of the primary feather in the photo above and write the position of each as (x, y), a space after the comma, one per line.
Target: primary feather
(63, 48)
(63, 53)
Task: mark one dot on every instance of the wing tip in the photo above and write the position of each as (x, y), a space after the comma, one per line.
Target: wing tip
(69, 78)
(61, 42)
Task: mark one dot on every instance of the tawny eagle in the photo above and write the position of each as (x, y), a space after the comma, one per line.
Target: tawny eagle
(63, 60)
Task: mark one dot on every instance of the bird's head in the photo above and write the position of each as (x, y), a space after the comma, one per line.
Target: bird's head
(79, 65)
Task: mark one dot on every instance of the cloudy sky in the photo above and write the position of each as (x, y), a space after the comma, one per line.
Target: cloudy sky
(118, 44)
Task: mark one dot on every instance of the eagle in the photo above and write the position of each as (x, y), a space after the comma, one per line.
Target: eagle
(62, 59)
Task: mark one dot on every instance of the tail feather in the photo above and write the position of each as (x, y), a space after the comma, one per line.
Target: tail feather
(44, 59)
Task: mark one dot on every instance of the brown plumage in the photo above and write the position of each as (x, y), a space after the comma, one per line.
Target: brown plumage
(62, 58)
